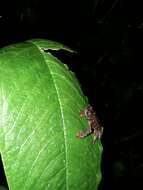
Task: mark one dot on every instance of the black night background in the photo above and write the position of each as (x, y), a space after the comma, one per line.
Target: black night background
(107, 34)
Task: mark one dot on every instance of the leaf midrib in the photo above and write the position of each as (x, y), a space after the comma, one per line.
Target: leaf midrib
(61, 112)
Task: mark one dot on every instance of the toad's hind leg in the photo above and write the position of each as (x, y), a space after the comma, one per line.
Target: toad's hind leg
(83, 134)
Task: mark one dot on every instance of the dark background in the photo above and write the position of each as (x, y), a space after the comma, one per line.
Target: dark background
(107, 34)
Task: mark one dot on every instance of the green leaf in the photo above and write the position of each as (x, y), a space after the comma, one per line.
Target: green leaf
(40, 101)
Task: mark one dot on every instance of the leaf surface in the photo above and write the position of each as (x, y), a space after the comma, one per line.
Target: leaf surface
(40, 101)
